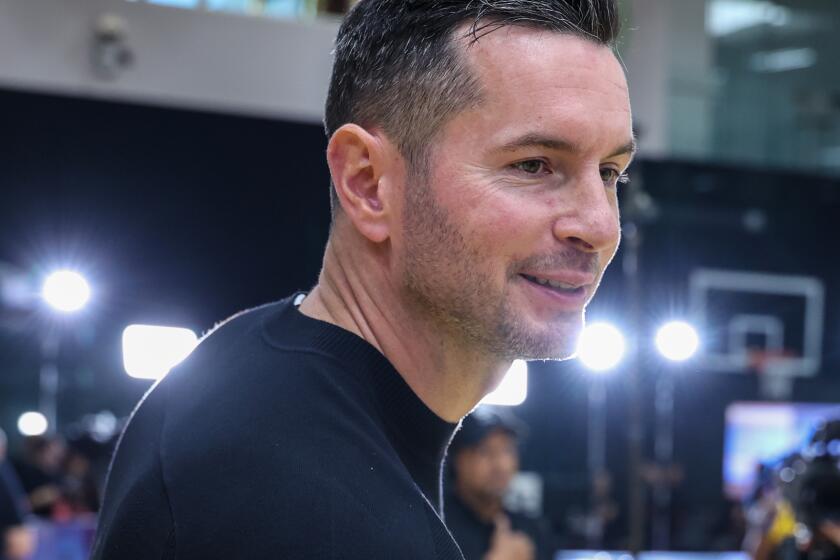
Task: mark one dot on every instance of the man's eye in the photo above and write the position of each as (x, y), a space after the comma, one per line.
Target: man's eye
(612, 176)
(532, 167)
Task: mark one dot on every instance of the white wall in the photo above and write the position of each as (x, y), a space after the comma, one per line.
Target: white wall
(184, 58)
(690, 82)
(645, 55)
(667, 54)
(279, 68)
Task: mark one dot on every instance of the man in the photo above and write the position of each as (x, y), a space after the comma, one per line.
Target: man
(483, 460)
(474, 151)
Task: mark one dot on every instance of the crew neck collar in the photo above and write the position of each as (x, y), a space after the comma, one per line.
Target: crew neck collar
(419, 436)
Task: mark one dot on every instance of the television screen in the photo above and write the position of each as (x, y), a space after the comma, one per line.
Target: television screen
(759, 433)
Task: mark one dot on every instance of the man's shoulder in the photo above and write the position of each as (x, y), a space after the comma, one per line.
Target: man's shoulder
(238, 355)
(252, 321)
(242, 378)
(240, 405)
(243, 327)
(260, 434)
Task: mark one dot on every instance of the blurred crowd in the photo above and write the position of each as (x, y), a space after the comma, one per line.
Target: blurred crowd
(494, 516)
(49, 496)
(50, 492)
(793, 512)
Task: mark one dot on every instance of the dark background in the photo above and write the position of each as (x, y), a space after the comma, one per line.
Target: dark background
(183, 218)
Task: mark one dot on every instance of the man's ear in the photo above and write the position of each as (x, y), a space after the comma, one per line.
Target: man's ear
(357, 160)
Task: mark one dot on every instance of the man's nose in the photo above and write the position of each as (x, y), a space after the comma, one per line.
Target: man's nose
(592, 223)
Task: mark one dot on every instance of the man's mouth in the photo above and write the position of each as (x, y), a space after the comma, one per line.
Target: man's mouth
(556, 285)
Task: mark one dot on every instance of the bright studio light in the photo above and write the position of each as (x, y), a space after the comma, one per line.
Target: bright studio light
(149, 352)
(66, 291)
(600, 346)
(32, 424)
(513, 390)
(677, 341)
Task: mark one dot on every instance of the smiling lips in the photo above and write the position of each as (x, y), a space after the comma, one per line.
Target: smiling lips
(557, 284)
(570, 286)
(569, 280)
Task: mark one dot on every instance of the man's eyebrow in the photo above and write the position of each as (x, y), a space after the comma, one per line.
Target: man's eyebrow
(538, 141)
(628, 149)
(559, 144)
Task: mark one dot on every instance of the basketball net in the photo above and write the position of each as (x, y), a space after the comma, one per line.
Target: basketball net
(776, 371)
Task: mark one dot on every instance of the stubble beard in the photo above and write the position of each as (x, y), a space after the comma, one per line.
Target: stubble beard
(444, 279)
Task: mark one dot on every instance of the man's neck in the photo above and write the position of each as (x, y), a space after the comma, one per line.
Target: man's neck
(446, 374)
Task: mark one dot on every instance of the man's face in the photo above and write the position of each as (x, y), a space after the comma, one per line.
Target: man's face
(487, 469)
(521, 192)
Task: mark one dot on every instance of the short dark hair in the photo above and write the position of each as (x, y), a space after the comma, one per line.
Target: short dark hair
(397, 67)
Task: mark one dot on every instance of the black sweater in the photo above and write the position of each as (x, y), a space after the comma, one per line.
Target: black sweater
(279, 437)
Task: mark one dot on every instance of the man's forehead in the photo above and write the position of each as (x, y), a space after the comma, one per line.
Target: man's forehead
(517, 52)
(560, 87)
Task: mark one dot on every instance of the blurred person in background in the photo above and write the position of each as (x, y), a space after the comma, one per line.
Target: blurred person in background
(19, 544)
(602, 522)
(804, 523)
(728, 530)
(16, 542)
(59, 476)
(13, 502)
(40, 472)
(475, 150)
(760, 507)
(592, 515)
(770, 514)
(668, 480)
(78, 482)
(483, 459)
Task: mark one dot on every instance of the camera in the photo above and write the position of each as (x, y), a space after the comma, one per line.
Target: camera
(812, 486)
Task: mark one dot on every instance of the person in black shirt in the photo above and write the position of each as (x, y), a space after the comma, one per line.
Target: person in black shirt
(475, 150)
(483, 459)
